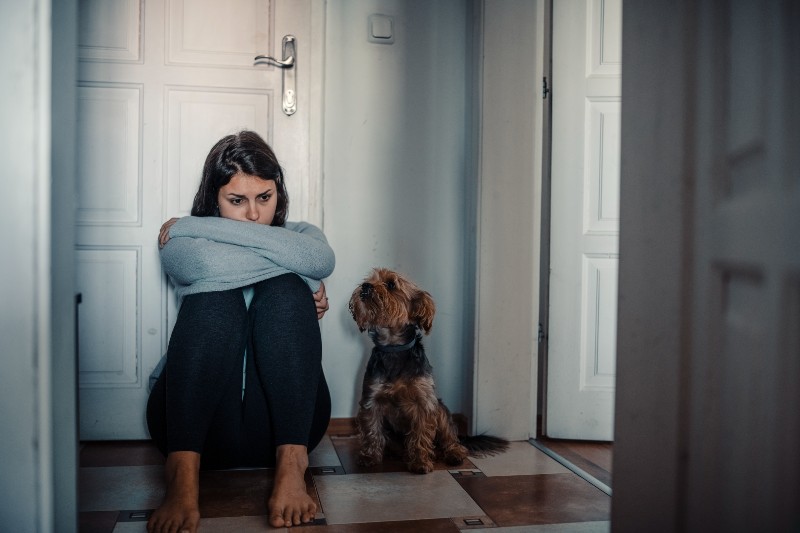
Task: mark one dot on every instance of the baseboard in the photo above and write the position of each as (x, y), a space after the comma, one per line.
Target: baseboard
(344, 427)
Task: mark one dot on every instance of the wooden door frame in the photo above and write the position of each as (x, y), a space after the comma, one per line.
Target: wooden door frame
(655, 200)
(39, 390)
(544, 234)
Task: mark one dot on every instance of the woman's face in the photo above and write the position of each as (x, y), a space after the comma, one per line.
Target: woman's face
(249, 199)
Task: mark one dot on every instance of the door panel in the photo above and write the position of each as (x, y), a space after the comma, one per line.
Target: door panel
(584, 257)
(160, 81)
(241, 26)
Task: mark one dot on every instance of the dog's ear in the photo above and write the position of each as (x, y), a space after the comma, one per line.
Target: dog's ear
(353, 314)
(422, 310)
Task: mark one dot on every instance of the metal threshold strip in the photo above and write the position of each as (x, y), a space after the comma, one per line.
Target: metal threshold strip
(567, 464)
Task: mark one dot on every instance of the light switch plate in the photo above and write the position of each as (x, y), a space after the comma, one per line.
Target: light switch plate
(380, 29)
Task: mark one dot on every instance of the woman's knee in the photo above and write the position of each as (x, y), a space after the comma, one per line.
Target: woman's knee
(212, 323)
(284, 291)
(222, 308)
(289, 282)
(224, 303)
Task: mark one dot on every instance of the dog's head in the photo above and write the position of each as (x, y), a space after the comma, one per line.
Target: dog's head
(388, 300)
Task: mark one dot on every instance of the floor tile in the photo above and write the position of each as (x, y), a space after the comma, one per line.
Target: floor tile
(228, 493)
(521, 458)
(393, 496)
(120, 453)
(113, 488)
(235, 492)
(130, 527)
(230, 500)
(594, 458)
(347, 449)
(237, 524)
(97, 521)
(539, 499)
(440, 525)
(574, 527)
(324, 454)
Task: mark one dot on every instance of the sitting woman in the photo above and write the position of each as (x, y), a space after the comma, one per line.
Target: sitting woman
(242, 384)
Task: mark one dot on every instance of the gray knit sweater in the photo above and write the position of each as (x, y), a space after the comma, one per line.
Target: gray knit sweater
(207, 254)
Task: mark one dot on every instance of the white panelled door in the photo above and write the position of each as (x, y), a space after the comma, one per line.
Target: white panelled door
(160, 82)
(584, 255)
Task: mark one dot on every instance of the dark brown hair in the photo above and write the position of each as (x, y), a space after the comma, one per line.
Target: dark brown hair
(244, 152)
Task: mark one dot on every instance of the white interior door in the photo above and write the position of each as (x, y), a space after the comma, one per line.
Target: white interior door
(160, 82)
(585, 218)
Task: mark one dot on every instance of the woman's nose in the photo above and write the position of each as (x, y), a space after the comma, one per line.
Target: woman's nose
(252, 212)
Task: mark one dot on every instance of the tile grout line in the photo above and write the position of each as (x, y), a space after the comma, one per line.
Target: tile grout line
(570, 466)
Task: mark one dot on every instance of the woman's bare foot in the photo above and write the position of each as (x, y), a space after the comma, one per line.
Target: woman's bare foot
(290, 505)
(180, 511)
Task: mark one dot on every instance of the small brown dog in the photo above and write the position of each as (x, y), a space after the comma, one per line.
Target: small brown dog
(399, 407)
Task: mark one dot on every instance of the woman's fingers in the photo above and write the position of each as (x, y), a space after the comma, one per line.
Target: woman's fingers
(163, 234)
(321, 301)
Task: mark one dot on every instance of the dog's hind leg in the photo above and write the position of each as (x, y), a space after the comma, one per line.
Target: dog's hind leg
(453, 452)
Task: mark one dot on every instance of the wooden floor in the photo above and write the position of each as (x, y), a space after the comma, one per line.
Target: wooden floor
(594, 458)
(522, 489)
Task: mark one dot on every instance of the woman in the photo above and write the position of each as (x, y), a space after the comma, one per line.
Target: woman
(251, 296)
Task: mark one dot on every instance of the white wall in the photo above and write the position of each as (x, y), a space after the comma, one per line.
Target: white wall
(397, 179)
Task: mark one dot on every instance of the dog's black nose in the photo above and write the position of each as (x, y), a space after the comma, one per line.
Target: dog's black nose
(366, 289)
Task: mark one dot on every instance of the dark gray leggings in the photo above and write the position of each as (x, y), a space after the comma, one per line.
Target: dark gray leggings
(197, 404)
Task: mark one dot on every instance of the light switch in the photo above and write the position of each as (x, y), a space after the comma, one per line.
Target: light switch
(381, 29)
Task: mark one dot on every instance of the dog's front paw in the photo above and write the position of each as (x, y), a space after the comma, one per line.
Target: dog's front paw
(368, 460)
(421, 467)
(455, 455)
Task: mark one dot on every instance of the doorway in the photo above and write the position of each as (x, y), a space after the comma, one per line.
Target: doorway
(581, 221)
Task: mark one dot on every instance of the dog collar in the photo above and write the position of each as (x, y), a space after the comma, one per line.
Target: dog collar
(399, 347)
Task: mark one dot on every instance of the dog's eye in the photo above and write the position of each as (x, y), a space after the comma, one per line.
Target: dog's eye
(390, 285)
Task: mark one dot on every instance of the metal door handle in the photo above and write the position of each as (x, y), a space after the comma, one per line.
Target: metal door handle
(289, 81)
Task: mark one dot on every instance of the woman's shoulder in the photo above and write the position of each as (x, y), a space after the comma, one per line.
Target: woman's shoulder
(301, 226)
(298, 225)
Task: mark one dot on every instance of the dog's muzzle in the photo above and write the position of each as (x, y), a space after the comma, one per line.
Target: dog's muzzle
(366, 290)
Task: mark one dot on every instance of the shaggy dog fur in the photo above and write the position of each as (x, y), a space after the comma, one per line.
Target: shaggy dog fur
(399, 408)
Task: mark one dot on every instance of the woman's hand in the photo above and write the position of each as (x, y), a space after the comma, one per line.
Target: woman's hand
(321, 300)
(163, 234)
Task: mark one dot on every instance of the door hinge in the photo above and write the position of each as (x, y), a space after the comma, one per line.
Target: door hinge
(545, 88)
(540, 338)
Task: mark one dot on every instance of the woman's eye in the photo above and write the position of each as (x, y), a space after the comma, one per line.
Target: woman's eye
(390, 285)
(236, 201)
(265, 197)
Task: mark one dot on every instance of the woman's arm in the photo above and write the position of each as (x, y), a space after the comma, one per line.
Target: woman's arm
(189, 260)
(299, 247)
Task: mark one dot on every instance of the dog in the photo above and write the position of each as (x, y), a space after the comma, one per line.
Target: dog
(399, 409)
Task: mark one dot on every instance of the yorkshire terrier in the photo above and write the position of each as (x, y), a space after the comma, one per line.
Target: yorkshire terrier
(399, 408)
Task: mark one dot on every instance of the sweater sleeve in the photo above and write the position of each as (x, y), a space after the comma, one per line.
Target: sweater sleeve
(298, 247)
(189, 260)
